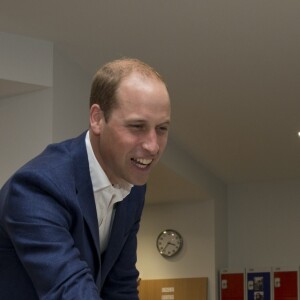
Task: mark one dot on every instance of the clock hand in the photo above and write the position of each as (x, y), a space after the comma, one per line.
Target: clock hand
(167, 244)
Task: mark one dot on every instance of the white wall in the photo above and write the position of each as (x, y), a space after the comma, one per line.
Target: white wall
(195, 222)
(32, 120)
(26, 119)
(264, 222)
(215, 192)
(221, 234)
(26, 60)
(71, 97)
(25, 129)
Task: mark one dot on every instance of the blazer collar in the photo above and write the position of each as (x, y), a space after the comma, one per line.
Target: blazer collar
(116, 239)
(84, 188)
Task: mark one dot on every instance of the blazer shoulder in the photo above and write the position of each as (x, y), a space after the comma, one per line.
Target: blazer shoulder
(57, 155)
(56, 164)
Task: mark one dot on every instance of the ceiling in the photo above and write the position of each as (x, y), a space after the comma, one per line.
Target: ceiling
(232, 68)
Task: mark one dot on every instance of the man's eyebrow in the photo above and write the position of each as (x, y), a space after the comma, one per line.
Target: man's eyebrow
(136, 121)
(168, 122)
(142, 121)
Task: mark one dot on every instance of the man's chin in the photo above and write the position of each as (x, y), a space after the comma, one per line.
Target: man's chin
(139, 181)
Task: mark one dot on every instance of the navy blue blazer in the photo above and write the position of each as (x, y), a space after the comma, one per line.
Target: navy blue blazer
(49, 239)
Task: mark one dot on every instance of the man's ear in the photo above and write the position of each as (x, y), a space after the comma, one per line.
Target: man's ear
(96, 119)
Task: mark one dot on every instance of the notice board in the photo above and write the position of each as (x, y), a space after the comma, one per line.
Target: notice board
(173, 289)
(286, 283)
(258, 284)
(232, 284)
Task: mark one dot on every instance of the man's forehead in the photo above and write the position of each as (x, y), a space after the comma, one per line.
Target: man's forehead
(139, 78)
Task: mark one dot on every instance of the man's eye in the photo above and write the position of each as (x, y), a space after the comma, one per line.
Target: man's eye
(136, 126)
(163, 129)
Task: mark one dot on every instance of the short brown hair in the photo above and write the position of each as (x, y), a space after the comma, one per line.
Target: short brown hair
(108, 78)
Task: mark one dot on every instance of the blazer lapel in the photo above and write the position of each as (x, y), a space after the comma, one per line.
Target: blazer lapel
(85, 189)
(116, 239)
(87, 204)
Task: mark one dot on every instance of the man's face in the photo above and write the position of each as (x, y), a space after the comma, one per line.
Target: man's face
(135, 135)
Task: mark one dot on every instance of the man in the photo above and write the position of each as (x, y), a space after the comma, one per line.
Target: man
(69, 217)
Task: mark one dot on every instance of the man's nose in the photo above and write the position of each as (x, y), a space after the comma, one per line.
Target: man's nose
(151, 142)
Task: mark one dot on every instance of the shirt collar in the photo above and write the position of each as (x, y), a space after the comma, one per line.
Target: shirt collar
(99, 179)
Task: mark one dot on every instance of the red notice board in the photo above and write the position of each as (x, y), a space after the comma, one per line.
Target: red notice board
(232, 285)
(286, 284)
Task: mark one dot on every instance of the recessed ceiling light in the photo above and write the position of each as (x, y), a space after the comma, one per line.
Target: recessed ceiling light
(299, 133)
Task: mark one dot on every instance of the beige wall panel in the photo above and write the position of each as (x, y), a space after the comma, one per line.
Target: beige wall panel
(173, 289)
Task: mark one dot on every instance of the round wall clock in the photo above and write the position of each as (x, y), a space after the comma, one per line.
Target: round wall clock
(169, 242)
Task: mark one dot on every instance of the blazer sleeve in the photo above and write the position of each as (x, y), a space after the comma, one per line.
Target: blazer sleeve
(38, 221)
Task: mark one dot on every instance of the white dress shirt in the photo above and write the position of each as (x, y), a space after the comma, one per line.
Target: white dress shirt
(105, 194)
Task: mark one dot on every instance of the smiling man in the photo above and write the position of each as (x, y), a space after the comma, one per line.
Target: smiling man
(69, 218)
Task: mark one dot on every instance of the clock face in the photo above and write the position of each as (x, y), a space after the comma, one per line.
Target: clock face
(169, 242)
